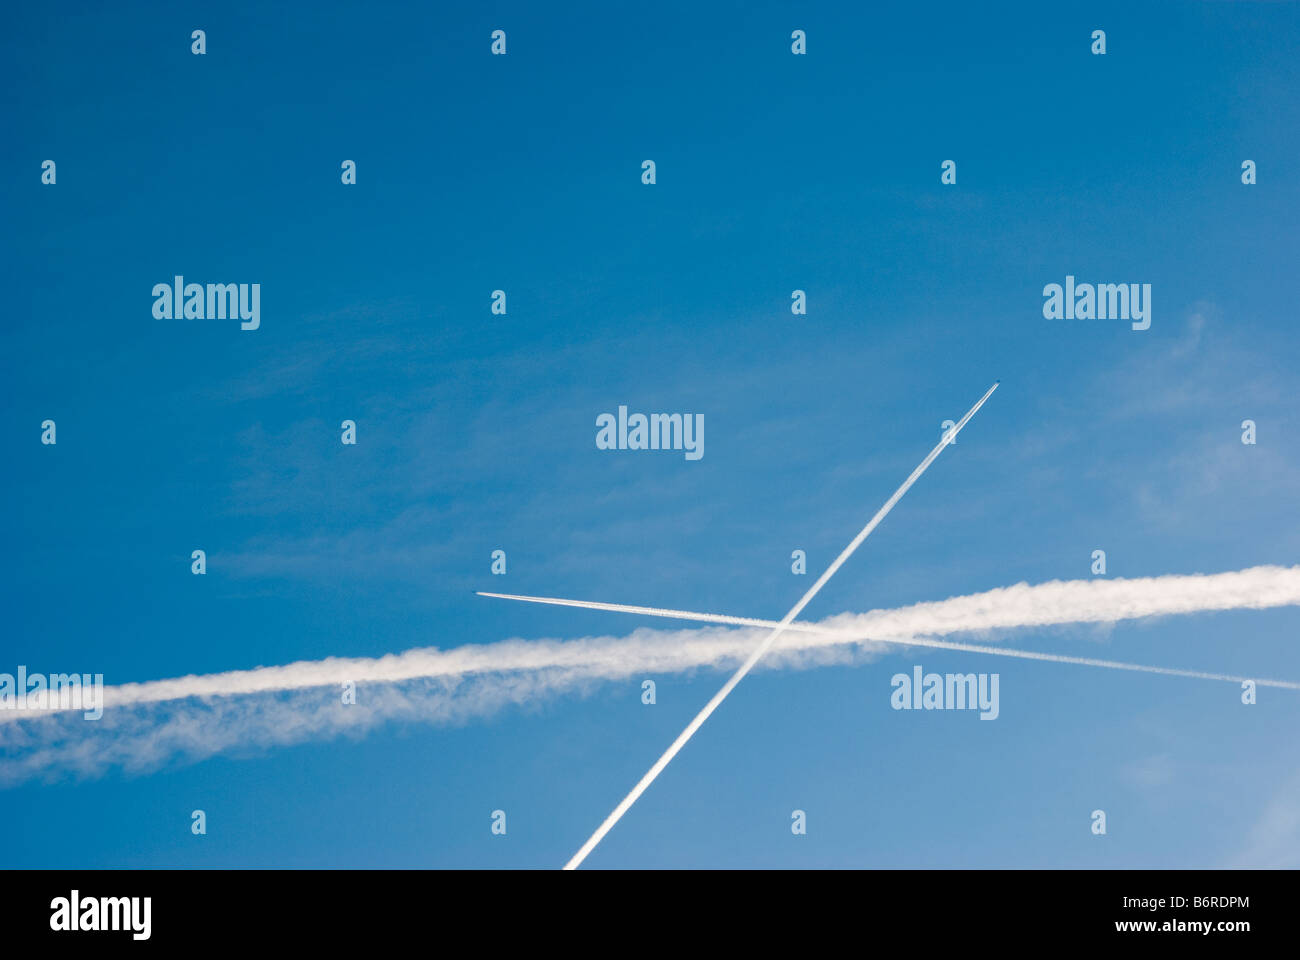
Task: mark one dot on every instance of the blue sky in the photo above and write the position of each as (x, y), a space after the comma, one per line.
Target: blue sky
(476, 432)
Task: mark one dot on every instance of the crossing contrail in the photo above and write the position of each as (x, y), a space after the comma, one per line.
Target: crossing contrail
(762, 648)
(851, 636)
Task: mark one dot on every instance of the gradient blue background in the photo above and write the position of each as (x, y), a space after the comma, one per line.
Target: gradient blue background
(476, 432)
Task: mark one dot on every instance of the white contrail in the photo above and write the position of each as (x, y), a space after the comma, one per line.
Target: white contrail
(762, 648)
(189, 718)
(1107, 600)
(843, 635)
(1014, 607)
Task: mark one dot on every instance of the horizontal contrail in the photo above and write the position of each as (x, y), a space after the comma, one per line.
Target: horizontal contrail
(1019, 606)
(675, 747)
(844, 635)
(1023, 605)
(1090, 601)
(188, 718)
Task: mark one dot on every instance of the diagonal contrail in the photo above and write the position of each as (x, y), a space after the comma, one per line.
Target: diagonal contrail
(856, 636)
(685, 735)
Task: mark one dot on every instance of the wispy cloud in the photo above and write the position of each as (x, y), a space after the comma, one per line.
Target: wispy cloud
(1274, 840)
